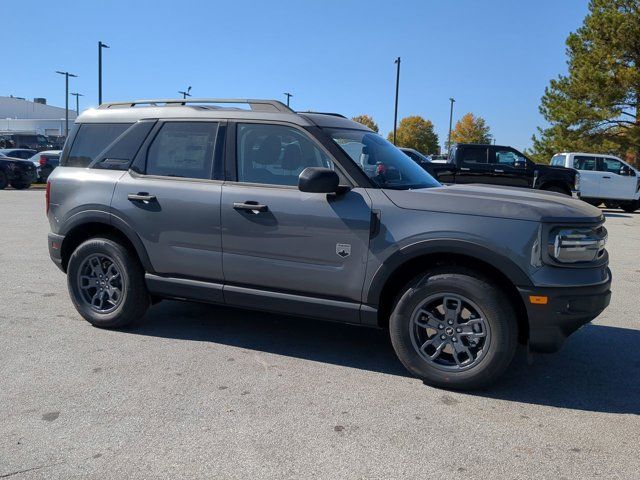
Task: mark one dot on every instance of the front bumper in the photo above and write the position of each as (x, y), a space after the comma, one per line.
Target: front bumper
(55, 249)
(567, 309)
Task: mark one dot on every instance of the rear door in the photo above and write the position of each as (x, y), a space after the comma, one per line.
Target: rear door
(171, 198)
(590, 177)
(473, 164)
(293, 243)
(614, 185)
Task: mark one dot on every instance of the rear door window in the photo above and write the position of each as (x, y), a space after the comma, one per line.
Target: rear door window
(585, 163)
(91, 139)
(473, 155)
(183, 149)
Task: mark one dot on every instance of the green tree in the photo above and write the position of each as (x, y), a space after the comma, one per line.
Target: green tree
(367, 121)
(471, 129)
(416, 132)
(595, 106)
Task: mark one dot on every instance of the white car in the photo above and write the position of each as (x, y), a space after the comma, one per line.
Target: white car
(604, 179)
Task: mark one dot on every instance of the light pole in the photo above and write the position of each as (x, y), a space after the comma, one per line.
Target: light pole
(452, 100)
(395, 113)
(100, 47)
(288, 95)
(77, 95)
(66, 100)
(185, 94)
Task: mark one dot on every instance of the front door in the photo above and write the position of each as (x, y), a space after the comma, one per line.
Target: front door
(473, 164)
(174, 202)
(278, 240)
(614, 185)
(510, 167)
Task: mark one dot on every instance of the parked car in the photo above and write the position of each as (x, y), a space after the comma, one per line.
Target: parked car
(25, 140)
(502, 165)
(22, 153)
(416, 156)
(45, 162)
(18, 173)
(604, 179)
(317, 216)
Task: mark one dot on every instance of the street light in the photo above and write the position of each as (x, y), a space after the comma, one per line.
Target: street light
(185, 94)
(395, 113)
(77, 95)
(452, 100)
(289, 95)
(66, 100)
(100, 47)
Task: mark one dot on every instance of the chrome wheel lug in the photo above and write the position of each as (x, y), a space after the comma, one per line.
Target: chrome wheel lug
(443, 337)
(459, 330)
(450, 322)
(441, 326)
(454, 339)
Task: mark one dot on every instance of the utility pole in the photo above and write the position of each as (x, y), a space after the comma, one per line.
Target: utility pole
(100, 47)
(66, 100)
(289, 95)
(77, 95)
(185, 94)
(452, 100)
(395, 113)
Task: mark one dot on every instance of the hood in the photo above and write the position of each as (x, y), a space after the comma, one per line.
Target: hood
(495, 201)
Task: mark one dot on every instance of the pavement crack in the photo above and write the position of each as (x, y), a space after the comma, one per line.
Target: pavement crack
(40, 467)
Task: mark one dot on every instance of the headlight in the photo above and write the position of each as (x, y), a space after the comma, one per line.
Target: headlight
(572, 245)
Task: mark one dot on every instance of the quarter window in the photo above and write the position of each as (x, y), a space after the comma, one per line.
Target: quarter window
(275, 154)
(91, 139)
(558, 161)
(183, 149)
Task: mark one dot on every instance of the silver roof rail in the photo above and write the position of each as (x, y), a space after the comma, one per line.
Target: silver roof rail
(256, 105)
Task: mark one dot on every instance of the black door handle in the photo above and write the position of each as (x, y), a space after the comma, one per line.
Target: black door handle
(608, 178)
(251, 206)
(141, 197)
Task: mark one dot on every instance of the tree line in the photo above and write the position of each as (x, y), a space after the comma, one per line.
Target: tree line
(417, 132)
(594, 107)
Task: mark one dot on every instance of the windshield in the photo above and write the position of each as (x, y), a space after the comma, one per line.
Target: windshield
(383, 163)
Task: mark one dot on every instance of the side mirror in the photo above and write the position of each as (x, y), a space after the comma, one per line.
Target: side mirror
(626, 171)
(318, 180)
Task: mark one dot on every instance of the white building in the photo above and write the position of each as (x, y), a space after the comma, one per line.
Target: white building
(18, 115)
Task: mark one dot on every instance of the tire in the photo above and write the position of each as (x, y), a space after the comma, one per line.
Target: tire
(20, 185)
(106, 257)
(630, 207)
(3, 180)
(612, 205)
(494, 351)
(556, 189)
(594, 202)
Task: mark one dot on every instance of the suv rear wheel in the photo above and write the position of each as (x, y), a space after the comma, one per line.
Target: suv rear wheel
(454, 329)
(106, 283)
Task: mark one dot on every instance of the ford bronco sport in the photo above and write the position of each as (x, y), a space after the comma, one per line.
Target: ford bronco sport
(250, 204)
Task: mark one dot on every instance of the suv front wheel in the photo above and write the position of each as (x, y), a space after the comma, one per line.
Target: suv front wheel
(454, 329)
(106, 283)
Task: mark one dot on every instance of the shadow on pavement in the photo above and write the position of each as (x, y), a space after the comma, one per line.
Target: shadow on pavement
(598, 369)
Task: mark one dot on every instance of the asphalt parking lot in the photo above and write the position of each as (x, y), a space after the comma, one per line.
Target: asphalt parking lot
(202, 391)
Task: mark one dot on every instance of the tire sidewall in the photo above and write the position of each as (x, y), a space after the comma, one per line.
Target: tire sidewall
(502, 326)
(122, 259)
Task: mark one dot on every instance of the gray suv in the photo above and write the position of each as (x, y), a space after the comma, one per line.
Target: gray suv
(250, 204)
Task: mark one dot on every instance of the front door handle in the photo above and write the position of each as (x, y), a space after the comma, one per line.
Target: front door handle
(254, 207)
(141, 197)
(498, 171)
(465, 169)
(607, 178)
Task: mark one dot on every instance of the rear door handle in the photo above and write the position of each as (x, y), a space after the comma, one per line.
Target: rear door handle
(141, 197)
(498, 171)
(254, 207)
(465, 169)
(607, 178)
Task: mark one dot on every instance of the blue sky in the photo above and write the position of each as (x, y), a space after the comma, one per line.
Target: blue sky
(494, 56)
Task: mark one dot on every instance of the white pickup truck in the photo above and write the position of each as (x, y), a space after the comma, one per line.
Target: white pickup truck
(604, 179)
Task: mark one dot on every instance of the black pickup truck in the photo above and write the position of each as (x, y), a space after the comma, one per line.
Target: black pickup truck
(500, 165)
